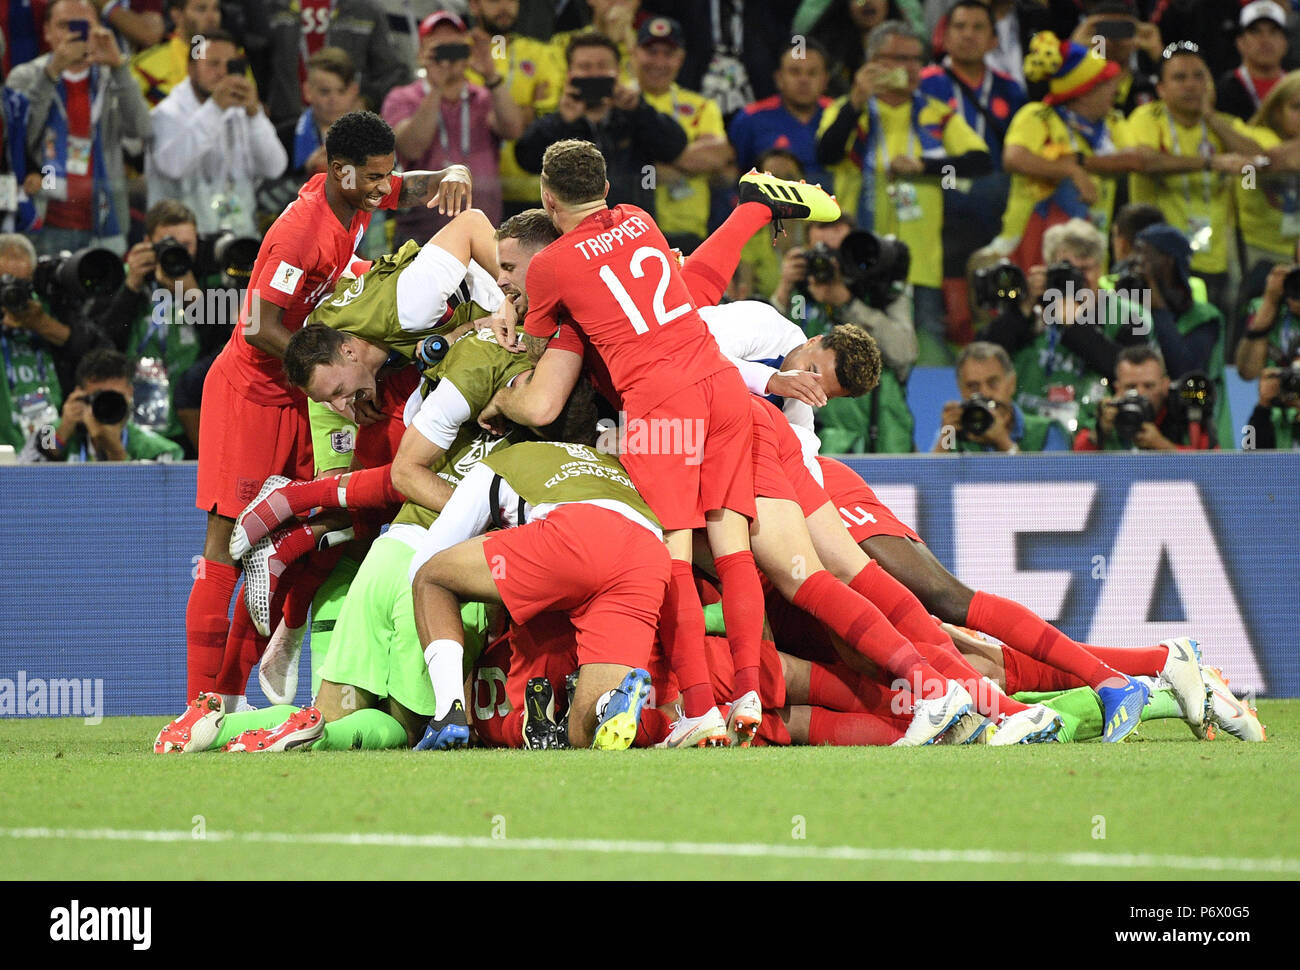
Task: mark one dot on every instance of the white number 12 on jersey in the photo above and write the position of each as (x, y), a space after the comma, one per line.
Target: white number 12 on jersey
(624, 298)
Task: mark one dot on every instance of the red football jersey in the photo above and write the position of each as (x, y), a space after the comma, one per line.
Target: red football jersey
(616, 278)
(301, 259)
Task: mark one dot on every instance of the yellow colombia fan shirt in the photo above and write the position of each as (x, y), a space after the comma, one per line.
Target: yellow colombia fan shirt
(909, 207)
(682, 203)
(1198, 203)
(1039, 128)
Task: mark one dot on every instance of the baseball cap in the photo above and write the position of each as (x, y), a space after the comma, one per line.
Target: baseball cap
(440, 17)
(1169, 240)
(1259, 10)
(660, 29)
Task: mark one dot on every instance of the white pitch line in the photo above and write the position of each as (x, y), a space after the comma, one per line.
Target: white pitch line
(845, 853)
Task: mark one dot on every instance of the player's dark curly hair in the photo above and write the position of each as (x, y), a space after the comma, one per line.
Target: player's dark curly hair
(857, 358)
(576, 422)
(532, 227)
(574, 171)
(313, 346)
(358, 136)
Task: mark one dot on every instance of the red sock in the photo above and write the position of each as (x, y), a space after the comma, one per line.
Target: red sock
(372, 488)
(206, 624)
(244, 647)
(709, 269)
(654, 727)
(988, 699)
(1135, 661)
(291, 544)
(1023, 672)
(742, 609)
(899, 605)
(905, 612)
(832, 727)
(864, 628)
(681, 631)
(316, 569)
(835, 688)
(1027, 632)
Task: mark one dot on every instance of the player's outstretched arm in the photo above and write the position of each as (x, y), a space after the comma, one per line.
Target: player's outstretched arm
(449, 190)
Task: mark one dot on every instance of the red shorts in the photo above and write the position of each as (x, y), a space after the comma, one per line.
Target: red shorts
(606, 572)
(691, 454)
(863, 514)
(770, 479)
(807, 492)
(242, 444)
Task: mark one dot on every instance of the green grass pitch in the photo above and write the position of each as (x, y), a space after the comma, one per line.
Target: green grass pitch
(92, 802)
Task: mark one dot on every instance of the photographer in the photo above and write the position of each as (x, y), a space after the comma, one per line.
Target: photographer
(96, 421)
(1061, 368)
(213, 144)
(987, 419)
(1272, 324)
(595, 107)
(853, 277)
(148, 322)
(1143, 415)
(1275, 422)
(40, 351)
(1189, 332)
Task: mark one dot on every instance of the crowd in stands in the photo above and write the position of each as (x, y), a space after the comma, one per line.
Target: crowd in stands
(1088, 209)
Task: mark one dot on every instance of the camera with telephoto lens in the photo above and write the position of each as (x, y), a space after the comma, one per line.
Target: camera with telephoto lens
(172, 257)
(15, 293)
(1289, 379)
(1195, 393)
(229, 254)
(1128, 276)
(978, 414)
(1291, 285)
(1064, 275)
(1132, 410)
(869, 265)
(823, 263)
(1003, 282)
(108, 407)
(66, 282)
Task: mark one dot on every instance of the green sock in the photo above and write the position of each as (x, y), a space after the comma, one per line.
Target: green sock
(1080, 711)
(714, 624)
(266, 717)
(368, 729)
(325, 609)
(1162, 704)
